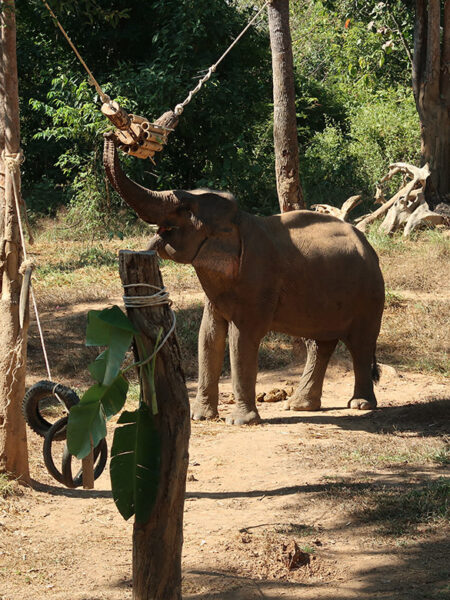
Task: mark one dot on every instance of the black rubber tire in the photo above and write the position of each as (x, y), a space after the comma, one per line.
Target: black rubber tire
(65, 477)
(51, 435)
(37, 393)
(100, 453)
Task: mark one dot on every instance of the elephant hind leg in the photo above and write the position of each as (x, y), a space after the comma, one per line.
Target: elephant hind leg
(309, 392)
(366, 372)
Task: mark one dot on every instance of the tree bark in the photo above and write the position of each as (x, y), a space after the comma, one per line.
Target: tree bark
(13, 340)
(157, 544)
(290, 195)
(2, 166)
(431, 85)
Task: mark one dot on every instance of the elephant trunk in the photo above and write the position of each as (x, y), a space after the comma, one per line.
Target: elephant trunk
(151, 206)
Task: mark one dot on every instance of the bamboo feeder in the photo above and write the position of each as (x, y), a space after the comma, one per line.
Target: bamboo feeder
(136, 135)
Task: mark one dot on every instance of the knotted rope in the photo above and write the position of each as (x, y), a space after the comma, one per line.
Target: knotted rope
(12, 163)
(159, 298)
(180, 107)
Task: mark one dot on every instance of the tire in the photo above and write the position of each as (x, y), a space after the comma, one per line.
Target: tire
(38, 393)
(53, 433)
(65, 477)
(100, 458)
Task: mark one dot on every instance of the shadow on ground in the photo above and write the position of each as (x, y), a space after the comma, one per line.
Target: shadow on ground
(419, 571)
(430, 418)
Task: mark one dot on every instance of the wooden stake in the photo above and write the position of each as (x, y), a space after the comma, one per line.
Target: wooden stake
(87, 465)
(157, 544)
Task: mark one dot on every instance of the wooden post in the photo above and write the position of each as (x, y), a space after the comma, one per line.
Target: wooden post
(87, 465)
(290, 195)
(157, 544)
(13, 339)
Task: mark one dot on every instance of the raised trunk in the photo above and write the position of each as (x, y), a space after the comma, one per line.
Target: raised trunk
(290, 194)
(151, 206)
(157, 544)
(13, 340)
(431, 85)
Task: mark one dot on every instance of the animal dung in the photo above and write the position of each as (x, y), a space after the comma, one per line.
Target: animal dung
(275, 395)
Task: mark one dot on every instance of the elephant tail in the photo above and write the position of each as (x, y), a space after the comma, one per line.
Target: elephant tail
(376, 371)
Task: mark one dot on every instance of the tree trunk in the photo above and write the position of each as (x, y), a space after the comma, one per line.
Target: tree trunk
(289, 190)
(431, 85)
(2, 165)
(157, 544)
(13, 340)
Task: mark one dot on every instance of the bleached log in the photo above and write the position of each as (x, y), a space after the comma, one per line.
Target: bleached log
(422, 216)
(400, 212)
(341, 213)
(419, 177)
(362, 225)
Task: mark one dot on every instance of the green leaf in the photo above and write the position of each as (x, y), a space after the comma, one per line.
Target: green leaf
(114, 396)
(98, 367)
(87, 419)
(135, 464)
(109, 327)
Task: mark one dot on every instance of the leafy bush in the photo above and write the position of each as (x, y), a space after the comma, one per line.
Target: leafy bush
(342, 161)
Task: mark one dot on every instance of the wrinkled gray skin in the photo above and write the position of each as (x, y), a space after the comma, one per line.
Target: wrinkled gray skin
(302, 273)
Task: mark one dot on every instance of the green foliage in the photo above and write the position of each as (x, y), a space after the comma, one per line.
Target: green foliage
(87, 421)
(136, 447)
(354, 105)
(135, 463)
(344, 159)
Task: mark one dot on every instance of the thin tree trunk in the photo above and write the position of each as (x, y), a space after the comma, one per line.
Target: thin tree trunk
(2, 166)
(289, 190)
(157, 544)
(13, 340)
(431, 85)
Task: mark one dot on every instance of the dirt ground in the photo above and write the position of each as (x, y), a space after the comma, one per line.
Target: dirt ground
(319, 479)
(363, 495)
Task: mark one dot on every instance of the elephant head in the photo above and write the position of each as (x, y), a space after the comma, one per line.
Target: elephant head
(186, 219)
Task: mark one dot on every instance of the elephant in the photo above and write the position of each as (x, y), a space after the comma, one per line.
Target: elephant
(301, 273)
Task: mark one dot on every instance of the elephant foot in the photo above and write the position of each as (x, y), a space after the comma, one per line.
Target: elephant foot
(362, 403)
(302, 403)
(201, 411)
(243, 417)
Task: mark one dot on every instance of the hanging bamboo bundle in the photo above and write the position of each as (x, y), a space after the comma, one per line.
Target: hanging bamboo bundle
(136, 135)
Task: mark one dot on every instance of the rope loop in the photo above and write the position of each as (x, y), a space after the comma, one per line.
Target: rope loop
(13, 160)
(159, 298)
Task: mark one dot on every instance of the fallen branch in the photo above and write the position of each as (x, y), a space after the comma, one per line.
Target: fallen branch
(341, 213)
(419, 178)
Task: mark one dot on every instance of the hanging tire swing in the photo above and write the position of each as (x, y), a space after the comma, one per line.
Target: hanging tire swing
(41, 397)
(65, 476)
(46, 395)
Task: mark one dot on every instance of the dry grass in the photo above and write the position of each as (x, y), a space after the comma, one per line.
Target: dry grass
(69, 273)
(415, 329)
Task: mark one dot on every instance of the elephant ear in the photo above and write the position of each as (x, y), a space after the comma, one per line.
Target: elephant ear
(217, 211)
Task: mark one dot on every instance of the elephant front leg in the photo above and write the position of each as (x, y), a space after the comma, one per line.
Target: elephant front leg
(244, 364)
(309, 392)
(211, 350)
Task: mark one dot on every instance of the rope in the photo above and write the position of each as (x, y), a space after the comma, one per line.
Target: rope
(13, 162)
(103, 97)
(160, 298)
(180, 107)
